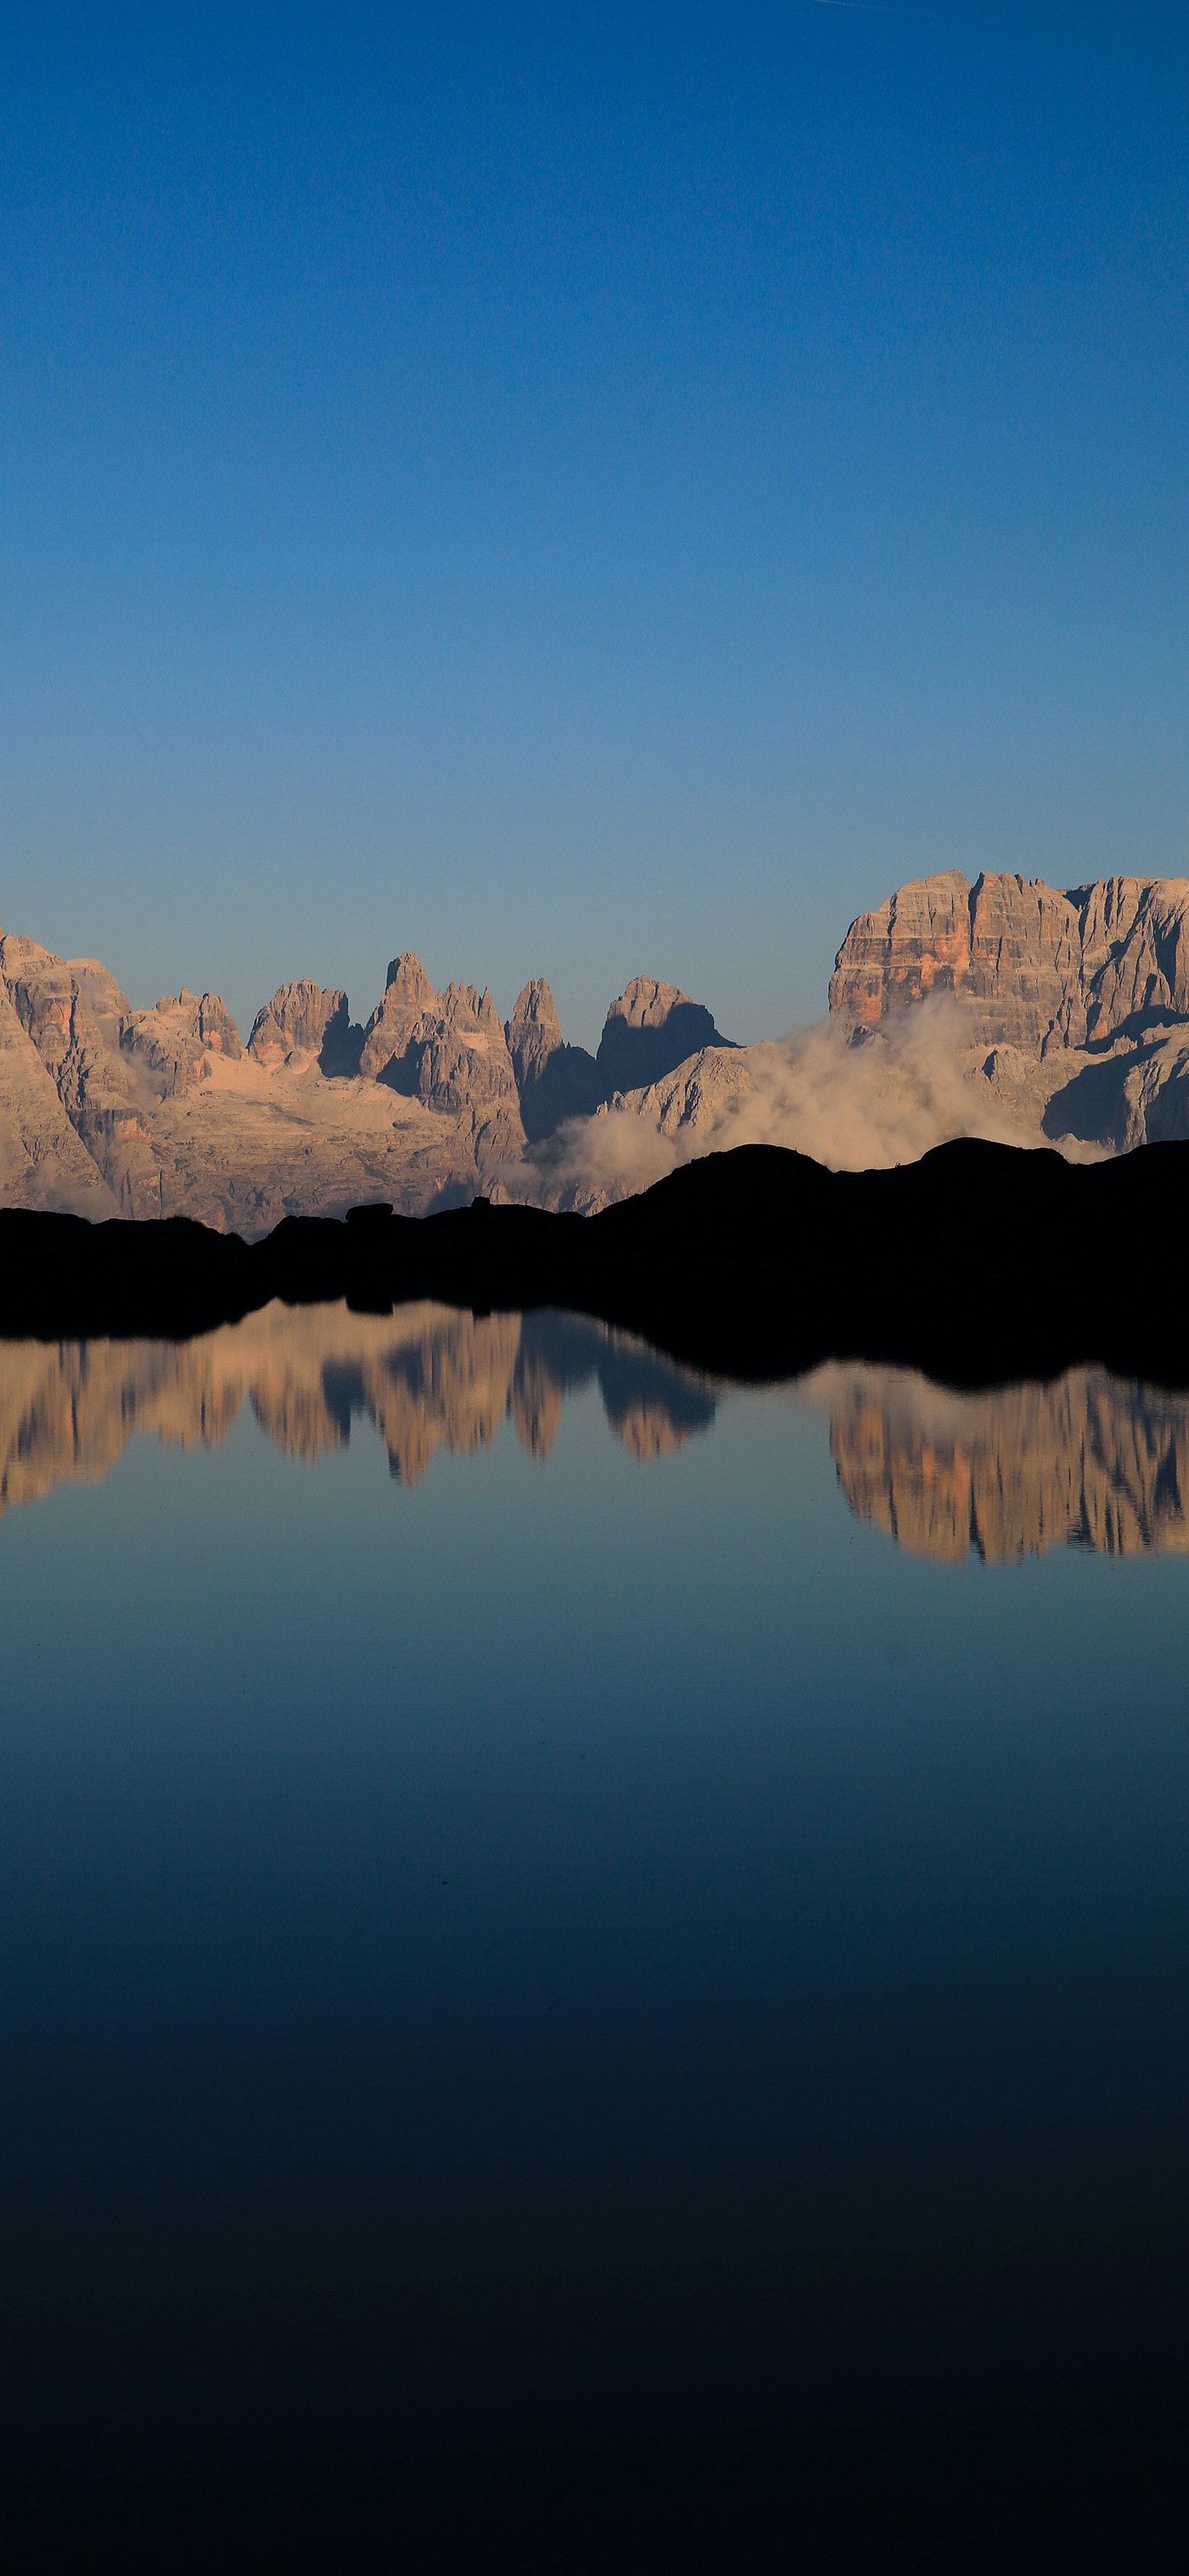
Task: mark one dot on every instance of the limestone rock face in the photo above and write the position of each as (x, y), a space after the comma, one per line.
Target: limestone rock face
(1077, 1003)
(553, 1081)
(648, 1032)
(1034, 968)
(173, 1037)
(533, 1033)
(160, 1111)
(78, 1021)
(447, 1050)
(1010, 950)
(407, 994)
(151, 1113)
(460, 1056)
(307, 1019)
(696, 1094)
(1135, 951)
(43, 1163)
(918, 942)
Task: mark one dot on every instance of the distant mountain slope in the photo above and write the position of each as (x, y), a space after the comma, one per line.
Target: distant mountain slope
(1015, 1012)
(42, 1162)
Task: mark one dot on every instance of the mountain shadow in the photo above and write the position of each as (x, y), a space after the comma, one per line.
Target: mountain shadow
(1093, 1106)
(567, 1084)
(342, 1045)
(648, 1032)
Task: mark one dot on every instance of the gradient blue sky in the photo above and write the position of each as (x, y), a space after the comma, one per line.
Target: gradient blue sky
(582, 490)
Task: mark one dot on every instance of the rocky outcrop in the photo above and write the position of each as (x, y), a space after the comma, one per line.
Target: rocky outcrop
(175, 1039)
(553, 1081)
(648, 1032)
(1032, 967)
(43, 1163)
(533, 1034)
(1074, 1006)
(698, 1094)
(1086, 1462)
(447, 1050)
(408, 993)
(458, 1056)
(79, 1023)
(307, 1019)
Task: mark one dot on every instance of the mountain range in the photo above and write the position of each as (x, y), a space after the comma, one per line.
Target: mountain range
(109, 1110)
(1004, 1009)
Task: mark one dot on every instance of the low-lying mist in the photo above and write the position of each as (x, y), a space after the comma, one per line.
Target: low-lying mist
(887, 1099)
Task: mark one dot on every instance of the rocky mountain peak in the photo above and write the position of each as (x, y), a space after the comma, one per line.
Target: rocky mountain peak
(407, 993)
(645, 1004)
(180, 1032)
(534, 1031)
(306, 1018)
(535, 1010)
(554, 1081)
(408, 976)
(217, 1029)
(447, 1050)
(648, 1032)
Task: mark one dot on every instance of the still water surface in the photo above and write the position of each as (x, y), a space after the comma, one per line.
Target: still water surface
(564, 1924)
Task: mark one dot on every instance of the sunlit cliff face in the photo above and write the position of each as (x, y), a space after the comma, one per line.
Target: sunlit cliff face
(427, 1378)
(1091, 1461)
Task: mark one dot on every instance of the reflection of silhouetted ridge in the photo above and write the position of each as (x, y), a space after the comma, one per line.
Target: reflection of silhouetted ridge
(425, 1377)
(1088, 1461)
(980, 1264)
(563, 1346)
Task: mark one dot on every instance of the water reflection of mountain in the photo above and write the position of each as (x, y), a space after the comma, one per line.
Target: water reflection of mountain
(428, 1377)
(1090, 1461)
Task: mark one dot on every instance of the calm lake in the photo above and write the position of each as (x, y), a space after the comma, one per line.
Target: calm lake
(585, 1946)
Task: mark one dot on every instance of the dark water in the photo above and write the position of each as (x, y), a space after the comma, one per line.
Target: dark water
(591, 1967)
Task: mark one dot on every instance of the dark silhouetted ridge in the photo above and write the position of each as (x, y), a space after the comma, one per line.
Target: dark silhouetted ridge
(979, 1264)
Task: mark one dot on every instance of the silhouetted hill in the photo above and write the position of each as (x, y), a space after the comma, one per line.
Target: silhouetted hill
(979, 1264)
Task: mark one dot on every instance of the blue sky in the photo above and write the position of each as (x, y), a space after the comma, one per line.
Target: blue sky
(582, 491)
